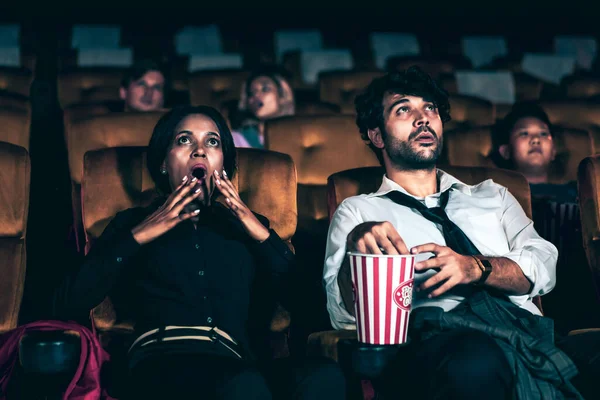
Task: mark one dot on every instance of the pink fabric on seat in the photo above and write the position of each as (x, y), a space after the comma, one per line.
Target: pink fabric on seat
(85, 384)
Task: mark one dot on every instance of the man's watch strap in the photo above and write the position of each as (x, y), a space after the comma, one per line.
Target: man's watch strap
(486, 270)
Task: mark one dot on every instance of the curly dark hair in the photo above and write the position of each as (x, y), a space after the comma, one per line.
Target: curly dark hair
(413, 82)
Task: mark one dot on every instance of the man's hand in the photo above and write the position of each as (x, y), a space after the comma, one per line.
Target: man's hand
(376, 238)
(454, 269)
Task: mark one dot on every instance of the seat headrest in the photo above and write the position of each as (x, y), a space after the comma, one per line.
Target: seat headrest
(319, 145)
(572, 146)
(581, 86)
(316, 108)
(14, 202)
(578, 113)
(14, 127)
(111, 130)
(469, 110)
(468, 147)
(212, 88)
(116, 179)
(74, 86)
(341, 87)
(16, 80)
(344, 184)
(588, 178)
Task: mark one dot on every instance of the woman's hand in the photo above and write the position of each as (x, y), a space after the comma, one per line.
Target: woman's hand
(253, 226)
(170, 214)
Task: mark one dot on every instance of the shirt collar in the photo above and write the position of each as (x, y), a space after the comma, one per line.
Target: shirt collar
(447, 182)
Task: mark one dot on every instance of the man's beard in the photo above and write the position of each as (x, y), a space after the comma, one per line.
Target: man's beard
(404, 157)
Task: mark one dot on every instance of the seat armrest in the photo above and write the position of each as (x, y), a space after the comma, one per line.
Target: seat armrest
(583, 331)
(326, 343)
(50, 352)
(365, 361)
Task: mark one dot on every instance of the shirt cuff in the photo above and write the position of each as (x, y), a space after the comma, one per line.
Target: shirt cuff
(274, 244)
(524, 259)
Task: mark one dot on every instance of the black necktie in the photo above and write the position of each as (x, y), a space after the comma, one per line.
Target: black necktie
(454, 236)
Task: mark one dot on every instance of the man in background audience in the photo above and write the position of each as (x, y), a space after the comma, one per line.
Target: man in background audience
(143, 87)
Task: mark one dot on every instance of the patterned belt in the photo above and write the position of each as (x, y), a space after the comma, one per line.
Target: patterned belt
(202, 333)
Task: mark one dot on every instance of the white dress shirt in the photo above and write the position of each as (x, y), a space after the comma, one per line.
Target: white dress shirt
(487, 213)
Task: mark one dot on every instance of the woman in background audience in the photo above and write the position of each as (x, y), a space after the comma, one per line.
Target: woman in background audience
(198, 277)
(525, 141)
(265, 95)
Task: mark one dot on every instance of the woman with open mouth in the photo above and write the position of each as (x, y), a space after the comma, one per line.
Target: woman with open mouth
(265, 95)
(186, 269)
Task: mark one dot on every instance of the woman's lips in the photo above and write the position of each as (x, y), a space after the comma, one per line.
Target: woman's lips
(199, 173)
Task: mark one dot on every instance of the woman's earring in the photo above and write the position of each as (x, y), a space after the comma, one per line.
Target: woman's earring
(163, 171)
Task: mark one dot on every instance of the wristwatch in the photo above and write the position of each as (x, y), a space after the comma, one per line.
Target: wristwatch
(486, 270)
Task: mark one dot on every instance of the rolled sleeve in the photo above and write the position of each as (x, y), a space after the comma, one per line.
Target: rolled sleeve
(535, 256)
(342, 223)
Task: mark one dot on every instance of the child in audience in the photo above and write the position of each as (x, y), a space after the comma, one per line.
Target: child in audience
(265, 95)
(525, 141)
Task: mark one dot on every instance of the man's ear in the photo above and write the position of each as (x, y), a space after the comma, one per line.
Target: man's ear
(553, 154)
(376, 138)
(504, 151)
(122, 93)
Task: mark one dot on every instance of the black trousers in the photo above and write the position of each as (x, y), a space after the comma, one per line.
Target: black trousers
(193, 376)
(468, 364)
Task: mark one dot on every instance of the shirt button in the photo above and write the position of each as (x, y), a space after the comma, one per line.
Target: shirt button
(119, 259)
(209, 320)
(197, 246)
(204, 297)
(201, 273)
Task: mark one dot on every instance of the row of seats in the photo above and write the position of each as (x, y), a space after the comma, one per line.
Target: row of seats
(321, 145)
(91, 85)
(14, 209)
(267, 181)
(94, 86)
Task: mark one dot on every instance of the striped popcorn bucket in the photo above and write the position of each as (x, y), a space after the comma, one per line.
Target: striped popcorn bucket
(382, 286)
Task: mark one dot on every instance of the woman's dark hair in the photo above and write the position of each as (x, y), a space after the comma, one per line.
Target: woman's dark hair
(411, 82)
(162, 137)
(270, 71)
